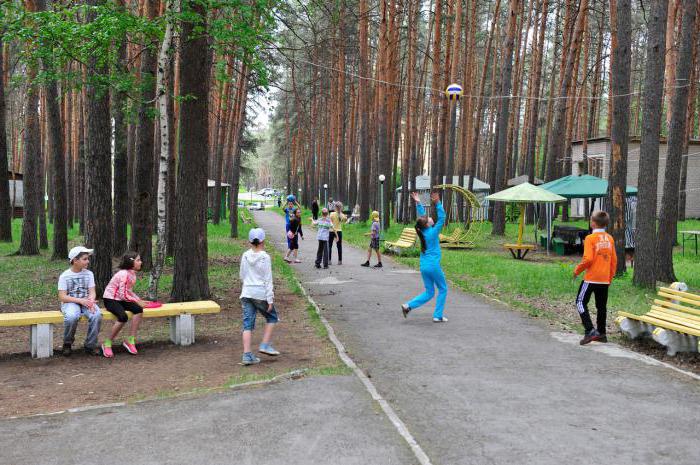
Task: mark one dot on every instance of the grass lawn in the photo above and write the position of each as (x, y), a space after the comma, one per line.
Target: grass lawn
(540, 284)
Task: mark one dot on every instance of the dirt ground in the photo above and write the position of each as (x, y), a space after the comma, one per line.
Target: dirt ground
(29, 386)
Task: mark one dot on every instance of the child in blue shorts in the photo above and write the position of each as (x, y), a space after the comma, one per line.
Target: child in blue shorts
(257, 296)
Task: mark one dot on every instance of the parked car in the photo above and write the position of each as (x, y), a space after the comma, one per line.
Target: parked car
(256, 206)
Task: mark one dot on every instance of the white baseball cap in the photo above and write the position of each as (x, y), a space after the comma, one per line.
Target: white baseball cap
(256, 233)
(75, 251)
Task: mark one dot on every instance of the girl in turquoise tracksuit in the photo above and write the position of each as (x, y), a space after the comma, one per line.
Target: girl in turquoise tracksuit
(429, 235)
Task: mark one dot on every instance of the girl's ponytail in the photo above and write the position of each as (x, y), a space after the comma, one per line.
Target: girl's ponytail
(421, 223)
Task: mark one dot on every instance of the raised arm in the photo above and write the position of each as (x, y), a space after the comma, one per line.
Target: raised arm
(441, 215)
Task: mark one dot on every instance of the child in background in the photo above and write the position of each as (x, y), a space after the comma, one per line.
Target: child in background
(76, 291)
(257, 296)
(119, 298)
(600, 263)
(374, 240)
(336, 233)
(324, 226)
(292, 205)
(293, 235)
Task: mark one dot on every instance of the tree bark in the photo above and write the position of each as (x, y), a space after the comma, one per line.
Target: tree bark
(121, 175)
(142, 203)
(5, 204)
(499, 219)
(162, 94)
(98, 173)
(645, 241)
(191, 281)
(29, 244)
(669, 203)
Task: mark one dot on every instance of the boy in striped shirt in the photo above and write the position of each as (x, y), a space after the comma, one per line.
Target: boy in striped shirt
(600, 263)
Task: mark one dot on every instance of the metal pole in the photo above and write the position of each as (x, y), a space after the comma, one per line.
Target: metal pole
(381, 200)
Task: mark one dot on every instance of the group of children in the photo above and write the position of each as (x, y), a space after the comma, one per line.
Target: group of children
(76, 285)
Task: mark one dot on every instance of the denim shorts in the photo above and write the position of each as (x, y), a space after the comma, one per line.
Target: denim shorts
(251, 307)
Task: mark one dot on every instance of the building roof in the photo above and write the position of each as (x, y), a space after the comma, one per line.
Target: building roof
(631, 139)
(582, 187)
(211, 183)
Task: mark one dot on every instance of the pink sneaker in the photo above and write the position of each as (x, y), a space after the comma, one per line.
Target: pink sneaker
(107, 351)
(130, 347)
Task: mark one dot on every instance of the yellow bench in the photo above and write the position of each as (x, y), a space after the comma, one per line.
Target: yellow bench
(405, 241)
(673, 321)
(181, 317)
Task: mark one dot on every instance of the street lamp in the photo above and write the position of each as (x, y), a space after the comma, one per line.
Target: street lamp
(299, 196)
(382, 178)
(325, 194)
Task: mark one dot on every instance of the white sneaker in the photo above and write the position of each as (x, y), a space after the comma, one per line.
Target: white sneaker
(440, 320)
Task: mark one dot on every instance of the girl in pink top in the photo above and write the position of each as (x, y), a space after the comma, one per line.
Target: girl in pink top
(120, 298)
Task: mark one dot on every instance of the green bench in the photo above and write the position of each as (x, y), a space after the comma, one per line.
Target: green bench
(181, 316)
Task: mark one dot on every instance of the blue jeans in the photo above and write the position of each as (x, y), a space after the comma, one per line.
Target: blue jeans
(250, 309)
(432, 277)
(71, 315)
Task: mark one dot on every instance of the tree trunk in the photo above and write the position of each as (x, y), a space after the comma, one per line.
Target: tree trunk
(162, 93)
(142, 203)
(98, 172)
(499, 219)
(669, 203)
(5, 204)
(190, 280)
(645, 241)
(619, 132)
(57, 163)
(363, 98)
(29, 244)
(121, 175)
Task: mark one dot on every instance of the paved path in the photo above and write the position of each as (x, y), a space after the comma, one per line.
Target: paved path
(493, 386)
(323, 420)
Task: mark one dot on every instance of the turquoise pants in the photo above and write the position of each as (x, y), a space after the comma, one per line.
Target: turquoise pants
(432, 277)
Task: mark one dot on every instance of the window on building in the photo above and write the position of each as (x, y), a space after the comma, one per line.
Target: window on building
(596, 165)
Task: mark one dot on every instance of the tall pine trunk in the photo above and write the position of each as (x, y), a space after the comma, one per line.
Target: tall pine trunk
(619, 132)
(98, 173)
(669, 203)
(5, 203)
(142, 203)
(190, 280)
(499, 218)
(645, 251)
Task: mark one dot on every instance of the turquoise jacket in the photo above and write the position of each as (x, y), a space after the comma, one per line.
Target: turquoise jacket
(432, 254)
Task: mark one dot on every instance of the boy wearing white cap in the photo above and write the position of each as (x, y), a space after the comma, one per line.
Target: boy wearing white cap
(257, 296)
(76, 291)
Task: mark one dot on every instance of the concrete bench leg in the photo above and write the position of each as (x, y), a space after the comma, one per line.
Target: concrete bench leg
(182, 329)
(41, 340)
(632, 328)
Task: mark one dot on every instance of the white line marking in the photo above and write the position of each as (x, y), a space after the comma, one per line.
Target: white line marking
(614, 350)
(390, 413)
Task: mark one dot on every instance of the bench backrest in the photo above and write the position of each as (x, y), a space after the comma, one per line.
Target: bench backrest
(408, 234)
(678, 307)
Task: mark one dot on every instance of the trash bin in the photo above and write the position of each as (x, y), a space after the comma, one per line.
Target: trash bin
(543, 241)
(559, 246)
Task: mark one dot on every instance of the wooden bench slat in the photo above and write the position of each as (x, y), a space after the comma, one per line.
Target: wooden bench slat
(682, 308)
(687, 295)
(673, 316)
(679, 298)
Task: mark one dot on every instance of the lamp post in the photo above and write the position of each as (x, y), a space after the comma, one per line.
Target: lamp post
(299, 196)
(325, 194)
(382, 178)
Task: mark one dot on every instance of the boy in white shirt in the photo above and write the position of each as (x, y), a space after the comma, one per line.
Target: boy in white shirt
(76, 291)
(257, 295)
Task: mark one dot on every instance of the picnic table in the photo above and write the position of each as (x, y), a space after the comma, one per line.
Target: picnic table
(572, 236)
(691, 235)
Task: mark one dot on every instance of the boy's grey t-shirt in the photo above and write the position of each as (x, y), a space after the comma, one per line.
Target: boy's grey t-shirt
(78, 284)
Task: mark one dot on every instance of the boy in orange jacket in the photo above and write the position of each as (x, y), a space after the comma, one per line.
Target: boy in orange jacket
(599, 262)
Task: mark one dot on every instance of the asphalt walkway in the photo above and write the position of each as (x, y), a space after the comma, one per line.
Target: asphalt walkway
(493, 386)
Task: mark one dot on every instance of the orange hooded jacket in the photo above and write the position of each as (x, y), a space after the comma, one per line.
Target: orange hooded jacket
(599, 258)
